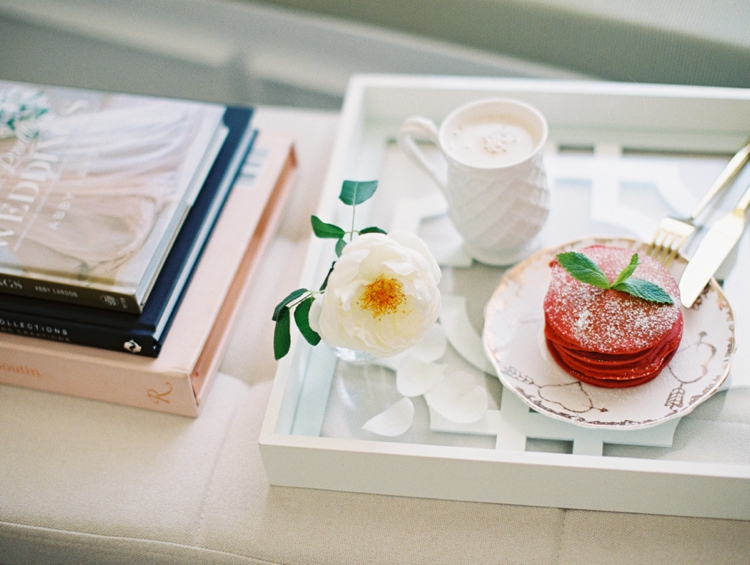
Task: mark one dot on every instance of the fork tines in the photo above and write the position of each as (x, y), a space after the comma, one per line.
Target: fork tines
(669, 238)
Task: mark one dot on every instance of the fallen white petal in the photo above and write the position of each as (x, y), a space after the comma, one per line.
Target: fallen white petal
(415, 377)
(433, 345)
(461, 334)
(394, 421)
(458, 398)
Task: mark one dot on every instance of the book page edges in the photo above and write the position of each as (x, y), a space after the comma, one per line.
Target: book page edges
(217, 342)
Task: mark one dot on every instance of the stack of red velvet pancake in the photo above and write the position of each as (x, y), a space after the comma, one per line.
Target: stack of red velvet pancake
(606, 337)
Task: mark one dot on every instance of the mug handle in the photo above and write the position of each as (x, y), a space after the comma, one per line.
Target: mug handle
(426, 129)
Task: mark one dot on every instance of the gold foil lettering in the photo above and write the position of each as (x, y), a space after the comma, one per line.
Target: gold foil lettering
(159, 397)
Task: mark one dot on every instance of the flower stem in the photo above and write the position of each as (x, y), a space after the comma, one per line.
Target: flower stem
(351, 233)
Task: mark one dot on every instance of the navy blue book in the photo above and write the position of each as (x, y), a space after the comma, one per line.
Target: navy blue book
(142, 333)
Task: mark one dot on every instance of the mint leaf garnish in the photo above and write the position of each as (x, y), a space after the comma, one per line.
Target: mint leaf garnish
(581, 268)
(627, 271)
(644, 289)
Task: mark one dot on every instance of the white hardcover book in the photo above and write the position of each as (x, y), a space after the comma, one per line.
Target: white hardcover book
(93, 188)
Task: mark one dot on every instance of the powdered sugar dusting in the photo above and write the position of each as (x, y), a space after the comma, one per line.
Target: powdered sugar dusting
(608, 321)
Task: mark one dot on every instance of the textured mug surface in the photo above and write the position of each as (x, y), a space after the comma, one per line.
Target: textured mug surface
(495, 184)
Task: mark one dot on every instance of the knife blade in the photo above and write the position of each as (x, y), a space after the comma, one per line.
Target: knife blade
(713, 249)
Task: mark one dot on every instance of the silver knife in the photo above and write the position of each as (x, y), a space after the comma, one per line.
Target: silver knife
(713, 249)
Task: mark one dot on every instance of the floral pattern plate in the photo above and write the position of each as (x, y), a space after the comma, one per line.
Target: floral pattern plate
(514, 341)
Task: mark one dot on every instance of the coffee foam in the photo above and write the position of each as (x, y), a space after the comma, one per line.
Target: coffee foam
(489, 141)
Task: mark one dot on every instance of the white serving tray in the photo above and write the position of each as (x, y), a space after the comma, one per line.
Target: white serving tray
(602, 135)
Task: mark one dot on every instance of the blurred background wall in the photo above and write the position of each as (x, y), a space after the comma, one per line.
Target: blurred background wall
(670, 41)
(302, 52)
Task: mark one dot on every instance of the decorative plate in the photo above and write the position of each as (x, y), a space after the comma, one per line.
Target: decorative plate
(514, 341)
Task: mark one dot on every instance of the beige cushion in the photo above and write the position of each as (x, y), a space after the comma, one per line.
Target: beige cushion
(87, 482)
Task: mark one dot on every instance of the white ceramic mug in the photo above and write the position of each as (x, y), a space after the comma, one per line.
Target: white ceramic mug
(496, 185)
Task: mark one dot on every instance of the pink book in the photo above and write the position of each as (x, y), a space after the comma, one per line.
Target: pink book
(178, 380)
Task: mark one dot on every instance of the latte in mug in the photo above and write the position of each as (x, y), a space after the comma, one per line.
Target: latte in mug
(490, 143)
(496, 185)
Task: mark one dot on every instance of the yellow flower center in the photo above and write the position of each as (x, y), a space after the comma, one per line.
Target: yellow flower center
(382, 296)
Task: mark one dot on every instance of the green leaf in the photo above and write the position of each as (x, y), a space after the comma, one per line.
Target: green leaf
(583, 269)
(645, 290)
(372, 229)
(281, 305)
(325, 280)
(302, 319)
(627, 271)
(282, 336)
(355, 192)
(324, 230)
(340, 244)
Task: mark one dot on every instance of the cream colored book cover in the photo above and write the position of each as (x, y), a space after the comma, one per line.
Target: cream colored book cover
(93, 187)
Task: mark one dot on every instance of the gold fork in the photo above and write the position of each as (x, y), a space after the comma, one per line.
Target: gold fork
(672, 233)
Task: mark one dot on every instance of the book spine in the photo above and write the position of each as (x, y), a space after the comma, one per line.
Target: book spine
(115, 339)
(93, 297)
(132, 385)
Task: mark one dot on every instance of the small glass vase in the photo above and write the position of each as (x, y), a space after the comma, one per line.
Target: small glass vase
(353, 356)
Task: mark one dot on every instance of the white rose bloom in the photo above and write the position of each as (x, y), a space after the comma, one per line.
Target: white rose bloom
(382, 295)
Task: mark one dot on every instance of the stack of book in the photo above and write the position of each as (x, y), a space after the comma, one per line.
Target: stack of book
(130, 228)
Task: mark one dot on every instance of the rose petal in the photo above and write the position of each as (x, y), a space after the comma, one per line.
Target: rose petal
(458, 398)
(433, 345)
(414, 242)
(415, 377)
(346, 322)
(394, 421)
